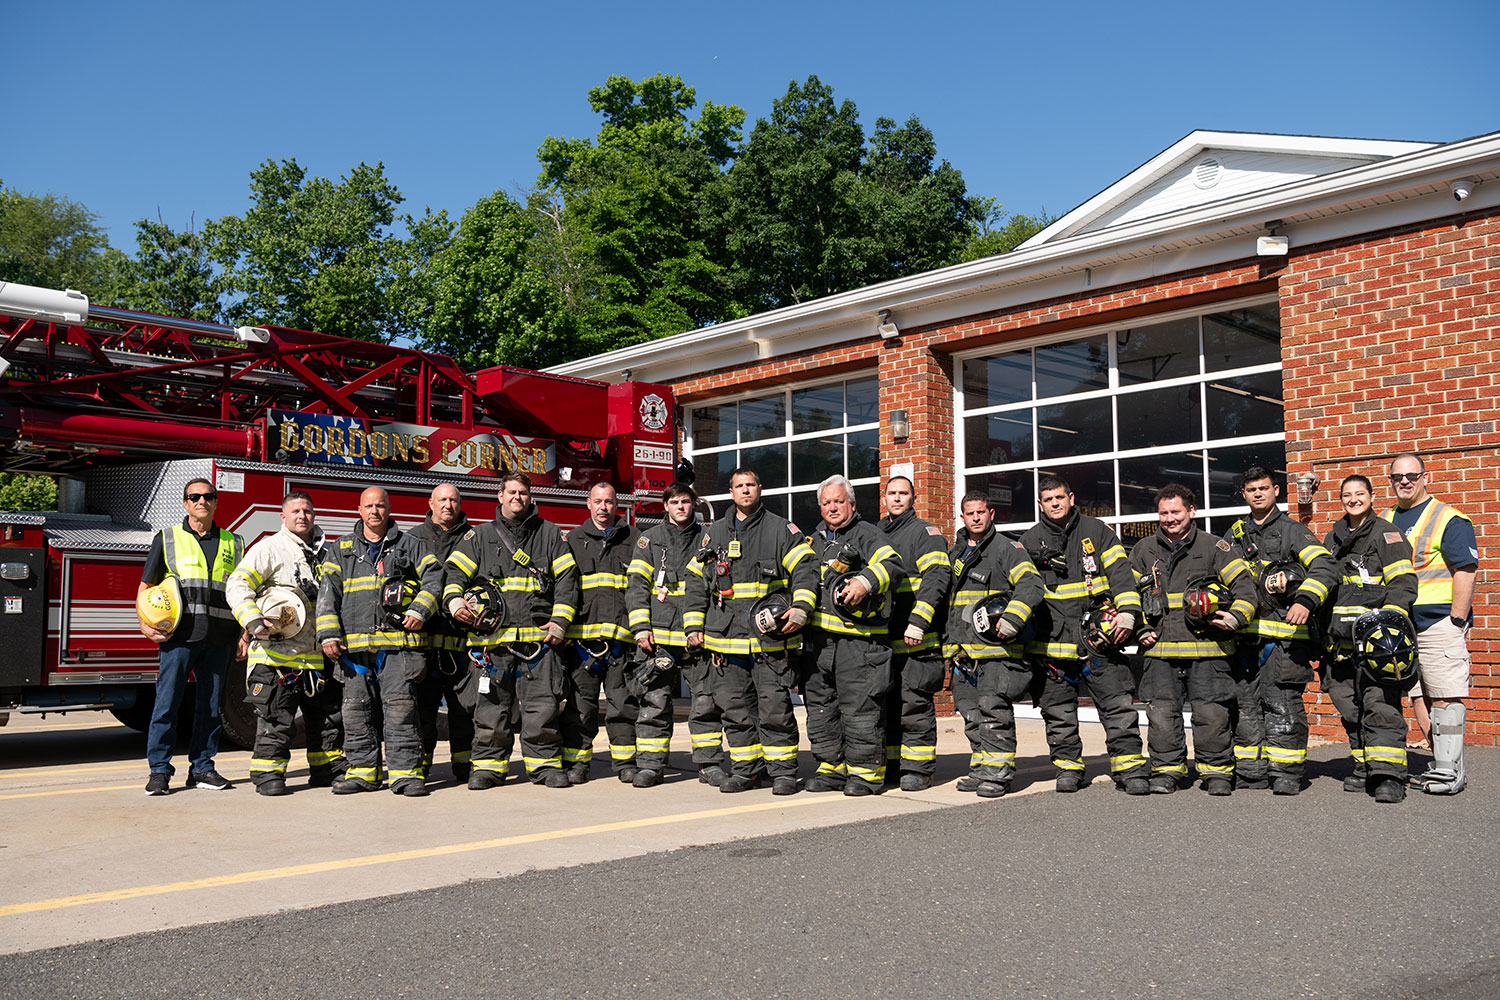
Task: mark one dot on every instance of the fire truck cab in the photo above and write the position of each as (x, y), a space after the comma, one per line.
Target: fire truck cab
(125, 408)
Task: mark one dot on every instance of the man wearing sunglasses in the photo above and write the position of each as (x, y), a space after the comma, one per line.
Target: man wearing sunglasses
(201, 555)
(1445, 553)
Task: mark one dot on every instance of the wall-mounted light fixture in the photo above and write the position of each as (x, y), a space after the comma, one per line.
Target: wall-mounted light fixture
(1307, 487)
(1272, 245)
(900, 425)
(887, 328)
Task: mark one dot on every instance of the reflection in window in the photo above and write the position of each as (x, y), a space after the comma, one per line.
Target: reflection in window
(762, 418)
(770, 461)
(713, 426)
(1242, 337)
(1159, 417)
(1226, 469)
(1140, 478)
(998, 439)
(1077, 428)
(1010, 493)
(862, 401)
(1063, 369)
(1244, 406)
(864, 454)
(996, 381)
(1153, 353)
(818, 409)
(815, 460)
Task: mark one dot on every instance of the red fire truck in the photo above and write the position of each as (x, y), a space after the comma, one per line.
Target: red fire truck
(124, 408)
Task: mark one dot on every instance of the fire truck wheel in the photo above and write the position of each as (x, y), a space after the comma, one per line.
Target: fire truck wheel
(137, 716)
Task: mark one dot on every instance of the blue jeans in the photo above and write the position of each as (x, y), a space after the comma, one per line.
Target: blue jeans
(206, 661)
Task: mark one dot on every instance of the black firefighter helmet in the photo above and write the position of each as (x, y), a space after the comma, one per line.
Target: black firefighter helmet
(395, 598)
(1280, 582)
(1385, 646)
(984, 615)
(864, 611)
(488, 605)
(766, 613)
(1099, 624)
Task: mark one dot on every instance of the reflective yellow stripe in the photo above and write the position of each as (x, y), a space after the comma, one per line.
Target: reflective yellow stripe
(1169, 769)
(1065, 764)
(918, 752)
(622, 751)
(1282, 755)
(578, 755)
(1126, 762)
(1386, 755)
(1247, 753)
(750, 751)
(1215, 770)
(703, 741)
(267, 765)
(779, 752)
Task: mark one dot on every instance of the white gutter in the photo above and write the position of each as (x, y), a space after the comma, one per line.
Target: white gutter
(1299, 201)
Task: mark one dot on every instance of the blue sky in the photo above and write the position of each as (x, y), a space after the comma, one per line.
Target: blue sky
(145, 107)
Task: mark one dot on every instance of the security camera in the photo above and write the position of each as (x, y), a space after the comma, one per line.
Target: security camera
(1462, 188)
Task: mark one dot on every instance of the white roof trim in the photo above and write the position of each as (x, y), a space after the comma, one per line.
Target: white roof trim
(918, 299)
(1194, 144)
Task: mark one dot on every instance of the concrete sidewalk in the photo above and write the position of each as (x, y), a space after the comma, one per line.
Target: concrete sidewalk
(87, 855)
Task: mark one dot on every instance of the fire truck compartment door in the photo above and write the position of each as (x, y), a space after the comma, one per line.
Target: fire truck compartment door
(23, 614)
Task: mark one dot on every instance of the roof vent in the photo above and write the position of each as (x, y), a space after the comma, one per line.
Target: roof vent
(1207, 173)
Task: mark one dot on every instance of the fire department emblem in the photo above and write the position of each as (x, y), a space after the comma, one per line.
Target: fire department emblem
(653, 412)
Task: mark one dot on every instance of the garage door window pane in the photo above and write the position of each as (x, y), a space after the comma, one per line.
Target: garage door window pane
(864, 454)
(862, 401)
(1063, 369)
(997, 381)
(1010, 493)
(1081, 428)
(1244, 406)
(816, 460)
(763, 418)
(1226, 468)
(1092, 483)
(1153, 353)
(998, 438)
(1159, 417)
(1140, 478)
(1242, 337)
(713, 426)
(818, 409)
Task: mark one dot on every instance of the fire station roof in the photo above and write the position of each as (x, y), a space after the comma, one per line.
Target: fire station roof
(1177, 212)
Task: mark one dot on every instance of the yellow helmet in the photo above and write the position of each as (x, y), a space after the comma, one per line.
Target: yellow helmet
(160, 607)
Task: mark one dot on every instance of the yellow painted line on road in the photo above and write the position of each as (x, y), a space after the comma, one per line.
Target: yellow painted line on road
(105, 788)
(341, 864)
(46, 727)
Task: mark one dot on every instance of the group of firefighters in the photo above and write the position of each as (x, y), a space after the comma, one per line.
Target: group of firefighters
(520, 626)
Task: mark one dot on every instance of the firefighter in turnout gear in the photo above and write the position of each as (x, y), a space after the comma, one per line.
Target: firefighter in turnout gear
(1085, 569)
(654, 594)
(516, 670)
(988, 669)
(599, 652)
(1445, 555)
(272, 590)
(1294, 575)
(1187, 650)
(845, 663)
(916, 651)
(744, 556)
(1374, 562)
(448, 678)
(380, 648)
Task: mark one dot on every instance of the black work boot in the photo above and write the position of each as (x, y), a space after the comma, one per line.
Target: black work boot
(712, 774)
(1069, 781)
(1388, 789)
(1286, 785)
(646, 777)
(272, 786)
(740, 783)
(1163, 784)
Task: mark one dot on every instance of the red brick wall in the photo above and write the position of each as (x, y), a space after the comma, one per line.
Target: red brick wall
(1389, 343)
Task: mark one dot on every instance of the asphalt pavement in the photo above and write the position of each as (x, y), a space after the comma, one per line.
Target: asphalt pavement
(1093, 895)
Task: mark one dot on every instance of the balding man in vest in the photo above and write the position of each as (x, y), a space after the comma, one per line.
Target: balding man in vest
(1445, 553)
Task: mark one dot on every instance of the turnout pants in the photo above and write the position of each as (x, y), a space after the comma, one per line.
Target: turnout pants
(448, 679)
(729, 683)
(773, 675)
(705, 715)
(277, 696)
(504, 689)
(1166, 685)
(984, 693)
(381, 704)
(1110, 684)
(1371, 714)
(580, 718)
(653, 722)
(1270, 728)
(845, 680)
(910, 718)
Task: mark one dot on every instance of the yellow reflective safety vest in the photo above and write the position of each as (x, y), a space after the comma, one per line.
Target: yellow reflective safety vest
(1434, 575)
(205, 609)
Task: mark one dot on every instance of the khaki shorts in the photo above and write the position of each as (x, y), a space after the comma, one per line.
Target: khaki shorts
(1443, 652)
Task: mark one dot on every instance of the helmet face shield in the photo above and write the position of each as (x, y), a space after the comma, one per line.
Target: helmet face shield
(1385, 647)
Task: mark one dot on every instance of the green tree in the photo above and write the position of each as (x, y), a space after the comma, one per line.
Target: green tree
(621, 214)
(171, 274)
(22, 492)
(809, 210)
(486, 296)
(314, 254)
(52, 242)
(997, 231)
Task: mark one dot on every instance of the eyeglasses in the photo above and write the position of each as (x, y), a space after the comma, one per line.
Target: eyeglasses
(195, 497)
(1406, 477)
